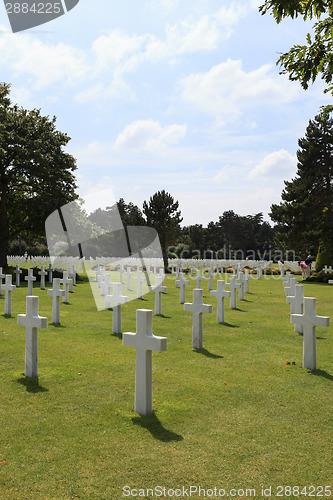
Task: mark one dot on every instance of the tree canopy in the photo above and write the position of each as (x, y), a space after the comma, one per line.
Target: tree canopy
(162, 213)
(315, 57)
(36, 174)
(305, 216)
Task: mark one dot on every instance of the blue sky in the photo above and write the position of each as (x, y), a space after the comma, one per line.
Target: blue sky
(181, 95)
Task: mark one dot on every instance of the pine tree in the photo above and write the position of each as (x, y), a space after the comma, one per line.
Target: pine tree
(162, 214)
(305, 216)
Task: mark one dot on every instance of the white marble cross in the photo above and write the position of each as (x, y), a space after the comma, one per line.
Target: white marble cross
(140, 280)
(8, 288)
(290, 289)
(72, 276)
(287, 278)
(210, 275)
(50, 271)
(296, 304)
(241, 283)
(1, 278)
(121, 273)
(197, 307)
(42, 274)
(106, 285)
(309, 320)
(30, 279)
(198, 279)
(233, 285)
(56, 293)
(128, 278)
(259, 272)
(220, 293)
(247, 277)
(66, 282)
(116, 300)
(17, 272)
(182, 282)
(159, 289)
(282, 269)
(144, 342)
(32, 321)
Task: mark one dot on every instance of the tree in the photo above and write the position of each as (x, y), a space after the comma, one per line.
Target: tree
(305, 62)
(35, 173)
(130, 214)
(305, 216)
(162, 214)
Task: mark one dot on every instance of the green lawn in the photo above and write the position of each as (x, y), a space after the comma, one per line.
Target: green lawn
(231, 416)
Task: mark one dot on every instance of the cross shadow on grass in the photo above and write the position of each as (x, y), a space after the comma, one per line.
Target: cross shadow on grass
(163, 316)
(57, 325)
(207, 353)
(118, 335)
(7, 316)
(322, 373)
(156, 428)
(229, 325)
(31, 384)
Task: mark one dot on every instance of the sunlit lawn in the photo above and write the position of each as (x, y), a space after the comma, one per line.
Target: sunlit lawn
(233, 415)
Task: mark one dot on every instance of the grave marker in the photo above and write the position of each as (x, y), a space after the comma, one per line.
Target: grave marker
(197, 307)
(17, 272)
(220, 294)
(56, 293)
(182, 282)
(241, 282)
(144, 342)
(233, 285)
(66, 282)
(2, 276)
(309, 321)
(128, 278)
(296, 304)
(140, 280)
(32, 321)
(116, 300)
(42, 274)
(159, 289)
(30, 279)
(50, 271)
(8, 288)
(199, 279)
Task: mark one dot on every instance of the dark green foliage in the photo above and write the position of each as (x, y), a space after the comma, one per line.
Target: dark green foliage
(305, 62)
(162, 214)
(36, 175)
(233, 236)
(324, 256)
(305, 216)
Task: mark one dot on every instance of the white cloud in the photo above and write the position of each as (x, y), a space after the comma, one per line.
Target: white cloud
(149, 134)
(276, 164)
(115, 54)
(46, 63)
(226, 89)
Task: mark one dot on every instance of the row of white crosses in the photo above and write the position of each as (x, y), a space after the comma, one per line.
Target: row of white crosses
(305, 319)
(31, 320)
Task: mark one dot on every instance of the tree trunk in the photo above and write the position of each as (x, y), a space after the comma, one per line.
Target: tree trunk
(165, 259)
(4, 229)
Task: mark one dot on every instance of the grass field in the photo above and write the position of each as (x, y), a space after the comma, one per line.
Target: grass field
(231, 416)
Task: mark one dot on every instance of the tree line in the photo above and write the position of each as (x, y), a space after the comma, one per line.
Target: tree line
(37, 178)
